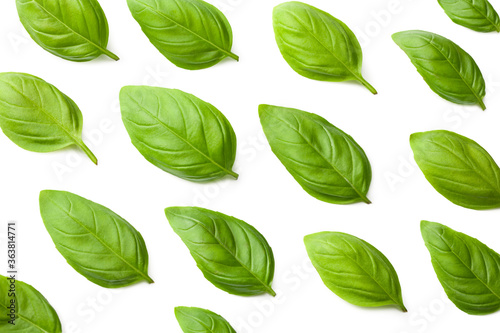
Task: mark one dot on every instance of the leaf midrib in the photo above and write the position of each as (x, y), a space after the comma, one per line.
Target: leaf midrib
(481, 13)
(181, 138)
(145, 277)
(363, 197)
(268, 289)
(228, 54)
(103, 50)
(27, 320)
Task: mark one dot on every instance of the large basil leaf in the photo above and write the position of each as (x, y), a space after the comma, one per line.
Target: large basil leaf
(326, 162)
(458, 168)
(94, 240)
(192, 34)
(354, 270)
(34, 314)
(196, 320)
(467, 269)
(38, 117)
(232, 254)
(75, 30)
(317, 45)
(478, 15)
(179, 133)
(448, 70)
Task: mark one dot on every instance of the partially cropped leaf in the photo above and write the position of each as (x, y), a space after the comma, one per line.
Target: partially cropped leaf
(75, 30)
(317, 45)
(192, 34)
(467, 269)
(27, 308)
(38, 117)
(354, 270)
(197, 320)
(232, 254)
(94, 240)
(458, 168)
(448, 70)
(478, 15)
(326, 162)
(179, 133)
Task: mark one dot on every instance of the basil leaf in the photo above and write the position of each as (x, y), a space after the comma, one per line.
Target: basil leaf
(317, 45)
(478, 15)
(448, 70)
(232, 254)
(73, 30)
(466, 268)
(192, 34)
(458, 168)
(354, 270)
(33, 313)
(197, 320)
(38, 117)
(326, 162)
(94, 240)
(179, 133)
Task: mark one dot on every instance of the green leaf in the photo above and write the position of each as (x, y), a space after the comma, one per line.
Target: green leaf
(467, 269)
(478, 15)
(38, 117)
(192, 34)
(448, 70)
(197, 320)
(179, 133)
(94, 240)
(354, 270)
(458, 168)
(326, 162)
(317, 45)
(75, 30)
(232, 254)
(33, 313)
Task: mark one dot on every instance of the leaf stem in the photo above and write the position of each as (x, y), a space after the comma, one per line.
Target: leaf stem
(233, 174)
(367, 85)
(234, 56)
(366, 200)
(481, 104)
(110, 54)
(403, 308)
(148, 279)
(271, 291)
(87, 151)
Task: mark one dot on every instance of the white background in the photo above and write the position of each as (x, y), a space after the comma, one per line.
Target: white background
(265, 196)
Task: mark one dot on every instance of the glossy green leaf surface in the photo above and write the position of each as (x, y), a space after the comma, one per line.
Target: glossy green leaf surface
(467, 269)
(179, 133)
(38, 117)
(326, 162)
(354, 270)
(192, 34)
(478, 15)
(197, 320)
(448, 70)
(75, 30)
(317, 45)
(458, 168)
(34, 314)
(94, 240)
(232, 254)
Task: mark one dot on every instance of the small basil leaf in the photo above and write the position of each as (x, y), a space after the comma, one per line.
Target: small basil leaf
(458, 168)
(232, 254)
(326, 162)
(467, 269)
(478, 15)
(354, 270)
(33, 313)
(192, 34)
(73, 30)
(448, 70)
(317, 45)
(94, 240)
(179, 133)
(38, 117)
(197, 320)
